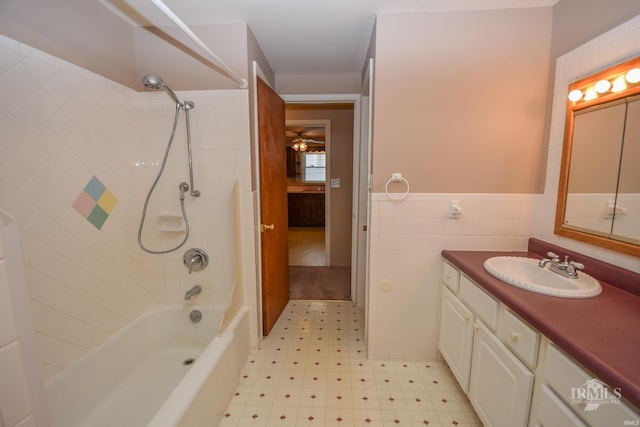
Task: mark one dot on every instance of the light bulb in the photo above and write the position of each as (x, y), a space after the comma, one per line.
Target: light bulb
(591, 94)
(575, 95)
(619, 84)
(602, 86)
(633, 75)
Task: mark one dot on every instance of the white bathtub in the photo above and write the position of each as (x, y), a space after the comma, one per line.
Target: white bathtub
(138, 377)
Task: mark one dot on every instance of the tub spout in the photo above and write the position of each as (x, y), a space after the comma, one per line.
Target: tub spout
(193, 291)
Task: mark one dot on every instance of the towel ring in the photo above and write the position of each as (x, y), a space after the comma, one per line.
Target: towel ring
(396, 178)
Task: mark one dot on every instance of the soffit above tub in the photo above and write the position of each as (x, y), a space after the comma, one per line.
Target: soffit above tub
(303, 37)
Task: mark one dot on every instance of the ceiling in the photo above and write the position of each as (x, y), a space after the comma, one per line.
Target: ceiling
(302, 37)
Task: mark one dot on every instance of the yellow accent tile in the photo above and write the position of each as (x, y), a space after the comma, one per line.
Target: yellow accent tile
(107, 201)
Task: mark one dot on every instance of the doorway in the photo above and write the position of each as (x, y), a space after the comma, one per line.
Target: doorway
(307, 149)
(320, 170)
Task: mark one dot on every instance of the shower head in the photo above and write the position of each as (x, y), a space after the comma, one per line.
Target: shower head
(154, 82)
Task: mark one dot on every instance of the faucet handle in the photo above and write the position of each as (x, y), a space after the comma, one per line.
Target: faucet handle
(553, 256)
(195, 259)
(577, 265)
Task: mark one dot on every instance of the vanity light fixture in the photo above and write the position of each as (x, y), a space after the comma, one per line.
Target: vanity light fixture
(625, 76)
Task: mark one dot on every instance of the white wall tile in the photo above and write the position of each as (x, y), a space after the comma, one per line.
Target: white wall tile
(407, 239)
(65, 125)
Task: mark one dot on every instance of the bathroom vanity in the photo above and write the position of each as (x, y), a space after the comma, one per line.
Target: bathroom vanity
(527, 359)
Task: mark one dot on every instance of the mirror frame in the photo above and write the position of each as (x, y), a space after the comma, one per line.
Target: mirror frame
(584, 84)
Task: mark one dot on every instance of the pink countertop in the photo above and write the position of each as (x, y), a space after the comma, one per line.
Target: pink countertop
(601, 333)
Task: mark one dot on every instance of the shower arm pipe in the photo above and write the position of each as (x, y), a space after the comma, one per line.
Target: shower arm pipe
(218, 62)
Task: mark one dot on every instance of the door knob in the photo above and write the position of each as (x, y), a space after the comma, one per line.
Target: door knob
(267, 227)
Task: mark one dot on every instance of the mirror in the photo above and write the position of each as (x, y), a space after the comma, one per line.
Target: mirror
(599, 190)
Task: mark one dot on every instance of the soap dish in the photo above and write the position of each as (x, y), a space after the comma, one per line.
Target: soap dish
(171, 222)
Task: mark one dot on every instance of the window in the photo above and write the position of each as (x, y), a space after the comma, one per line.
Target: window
(314, 166)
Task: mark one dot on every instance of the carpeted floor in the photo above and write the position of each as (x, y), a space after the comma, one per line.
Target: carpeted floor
(319, 283)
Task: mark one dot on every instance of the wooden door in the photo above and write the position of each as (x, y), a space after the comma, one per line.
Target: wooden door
(273, 205)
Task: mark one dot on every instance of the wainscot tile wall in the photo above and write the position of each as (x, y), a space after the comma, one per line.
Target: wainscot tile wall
(61, 125)
(407, 237)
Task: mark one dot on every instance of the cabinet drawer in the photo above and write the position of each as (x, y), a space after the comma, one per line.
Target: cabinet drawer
(479, 301)
(450, 277)
(520, 337)
(569, 381)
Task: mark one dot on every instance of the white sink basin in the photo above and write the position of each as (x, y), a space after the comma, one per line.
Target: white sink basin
(526, 274)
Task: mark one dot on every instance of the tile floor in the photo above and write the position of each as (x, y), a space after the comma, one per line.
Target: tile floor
(313, 370)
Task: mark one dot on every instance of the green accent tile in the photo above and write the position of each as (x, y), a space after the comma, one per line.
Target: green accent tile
(97, 217)
(94, 188)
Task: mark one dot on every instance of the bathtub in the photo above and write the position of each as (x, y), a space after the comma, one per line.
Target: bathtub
(162, 370)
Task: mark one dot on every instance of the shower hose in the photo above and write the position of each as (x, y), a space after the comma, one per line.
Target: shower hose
(184, 187)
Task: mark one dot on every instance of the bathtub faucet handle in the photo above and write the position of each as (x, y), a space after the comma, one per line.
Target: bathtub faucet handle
(195, 290)
(195, 259)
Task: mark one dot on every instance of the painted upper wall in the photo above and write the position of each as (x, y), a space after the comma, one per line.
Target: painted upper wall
(596, 17)
(460, 99)
(84, 33)
(169, 53)
(91, 36)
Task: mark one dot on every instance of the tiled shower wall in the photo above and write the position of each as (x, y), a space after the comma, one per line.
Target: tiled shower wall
(61, 126)
(407, 237)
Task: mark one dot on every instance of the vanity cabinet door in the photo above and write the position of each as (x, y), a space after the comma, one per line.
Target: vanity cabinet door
(456, 337)
(500, 385)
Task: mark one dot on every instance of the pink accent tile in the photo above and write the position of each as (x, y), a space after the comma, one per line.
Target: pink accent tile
(84, 204)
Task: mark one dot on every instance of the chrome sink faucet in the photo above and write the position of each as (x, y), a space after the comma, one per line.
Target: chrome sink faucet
(195, 290)
(564, 268)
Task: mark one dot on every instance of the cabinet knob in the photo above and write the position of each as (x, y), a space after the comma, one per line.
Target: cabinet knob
(514, 335)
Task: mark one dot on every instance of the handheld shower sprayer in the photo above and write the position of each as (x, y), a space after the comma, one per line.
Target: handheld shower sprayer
(154, 82)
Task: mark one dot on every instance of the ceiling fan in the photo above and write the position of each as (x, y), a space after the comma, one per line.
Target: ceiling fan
(301, 139)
